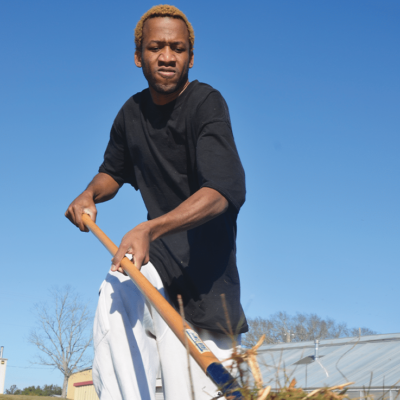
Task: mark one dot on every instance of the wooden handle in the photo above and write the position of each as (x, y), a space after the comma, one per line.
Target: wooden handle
(197, 349)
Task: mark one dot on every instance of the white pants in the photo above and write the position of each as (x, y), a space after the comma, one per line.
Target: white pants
(131, 341)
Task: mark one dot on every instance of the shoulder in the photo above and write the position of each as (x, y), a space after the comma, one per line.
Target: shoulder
(203, 91)
(135, 101)
(131, 107)
(209, 104)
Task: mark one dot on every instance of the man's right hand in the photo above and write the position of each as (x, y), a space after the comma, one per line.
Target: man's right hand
(83, 204)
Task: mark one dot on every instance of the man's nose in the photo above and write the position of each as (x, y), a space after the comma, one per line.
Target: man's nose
(167, 56)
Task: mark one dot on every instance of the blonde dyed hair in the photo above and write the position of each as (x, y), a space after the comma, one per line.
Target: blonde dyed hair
(162, 10)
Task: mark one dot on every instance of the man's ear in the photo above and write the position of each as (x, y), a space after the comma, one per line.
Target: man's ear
(138, 59)
(191, 61)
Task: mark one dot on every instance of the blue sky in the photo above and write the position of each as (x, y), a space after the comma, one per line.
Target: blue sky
(313, 89)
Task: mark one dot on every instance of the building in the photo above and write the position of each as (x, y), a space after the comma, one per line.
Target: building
(3, 367)
(372, 362)
(80, 386)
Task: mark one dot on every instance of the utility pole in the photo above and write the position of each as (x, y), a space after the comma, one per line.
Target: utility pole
(288, 336)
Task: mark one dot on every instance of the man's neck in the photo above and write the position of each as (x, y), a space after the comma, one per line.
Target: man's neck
(162, 99)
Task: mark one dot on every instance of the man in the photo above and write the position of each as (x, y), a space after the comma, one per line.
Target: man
(174, 143)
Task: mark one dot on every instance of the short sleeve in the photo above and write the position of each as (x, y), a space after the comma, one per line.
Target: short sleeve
(218, 163)
(117, 159)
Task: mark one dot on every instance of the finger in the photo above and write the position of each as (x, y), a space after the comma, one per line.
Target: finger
(76, 217)
(73, 216)
(129, 257)
(78, 220)
(129, 253)
(119, 255)
(144, 261)
(69, 216)
(85, 228)
(138, 260)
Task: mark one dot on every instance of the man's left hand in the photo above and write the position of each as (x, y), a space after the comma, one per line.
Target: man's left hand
(135, 242)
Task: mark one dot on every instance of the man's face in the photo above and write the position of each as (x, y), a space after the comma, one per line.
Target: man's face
(165, 57)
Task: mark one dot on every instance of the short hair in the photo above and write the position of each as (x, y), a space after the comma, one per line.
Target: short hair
(162, 10)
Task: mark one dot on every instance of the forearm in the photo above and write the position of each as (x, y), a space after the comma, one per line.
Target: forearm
(199, 208)
(102, 188)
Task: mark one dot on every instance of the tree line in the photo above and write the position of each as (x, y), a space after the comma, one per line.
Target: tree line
(282, 327)
(45, 390)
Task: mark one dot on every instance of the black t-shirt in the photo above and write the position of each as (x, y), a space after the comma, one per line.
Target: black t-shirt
(168, 153)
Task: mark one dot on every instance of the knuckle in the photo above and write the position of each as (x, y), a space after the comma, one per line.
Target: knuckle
(125, 245)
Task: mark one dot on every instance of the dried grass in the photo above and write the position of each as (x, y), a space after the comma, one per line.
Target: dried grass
(244, 366)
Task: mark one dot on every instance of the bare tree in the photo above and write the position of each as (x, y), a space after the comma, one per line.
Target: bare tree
(281, 327)
(257, 327)
(13, 390)
(62, 333)
(361, 331)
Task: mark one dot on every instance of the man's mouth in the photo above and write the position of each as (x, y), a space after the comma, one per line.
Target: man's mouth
(166, 72)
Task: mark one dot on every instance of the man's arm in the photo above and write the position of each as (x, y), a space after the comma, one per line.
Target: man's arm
(199, 208)
(102, 188)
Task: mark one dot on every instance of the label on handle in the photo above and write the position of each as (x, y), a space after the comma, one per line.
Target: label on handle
(195, 339)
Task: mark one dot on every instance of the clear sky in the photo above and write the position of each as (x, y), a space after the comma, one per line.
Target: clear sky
(313, 89)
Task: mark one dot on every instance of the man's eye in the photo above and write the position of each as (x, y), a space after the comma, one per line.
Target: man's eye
(154, 48)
